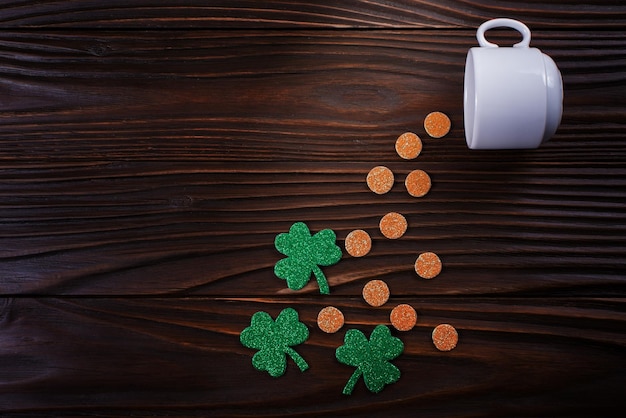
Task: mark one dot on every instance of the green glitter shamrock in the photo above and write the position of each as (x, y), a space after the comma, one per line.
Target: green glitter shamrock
(274, 339)
(371, 358)
(305, 253)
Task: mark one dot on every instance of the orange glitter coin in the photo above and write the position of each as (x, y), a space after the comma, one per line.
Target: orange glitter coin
(376, 292)
(445, 337)
(358, 243)
(403, 317)
(428, 265)
(408, 145)
(380, 179)
(393, 225)
(437, 124)
(330, 319)
(417, 183)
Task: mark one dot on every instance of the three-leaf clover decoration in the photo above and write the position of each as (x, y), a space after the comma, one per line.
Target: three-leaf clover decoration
(305, 253)
(371, 358)
(274, 340)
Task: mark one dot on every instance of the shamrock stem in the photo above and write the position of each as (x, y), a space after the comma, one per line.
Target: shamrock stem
(347, 390)
(297, 358)
(321, 280)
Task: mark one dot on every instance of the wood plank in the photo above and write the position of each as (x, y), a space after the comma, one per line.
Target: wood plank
(278, 95)
(530, 227)
(182, 357)
(145, 173)
(313, 14)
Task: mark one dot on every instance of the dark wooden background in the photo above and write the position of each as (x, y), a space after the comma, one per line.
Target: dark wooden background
(150, 151)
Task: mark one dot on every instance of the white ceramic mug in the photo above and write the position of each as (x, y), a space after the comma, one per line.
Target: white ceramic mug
(513, 96)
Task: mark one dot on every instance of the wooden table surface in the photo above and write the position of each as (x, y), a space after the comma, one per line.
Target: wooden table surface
(150, 152)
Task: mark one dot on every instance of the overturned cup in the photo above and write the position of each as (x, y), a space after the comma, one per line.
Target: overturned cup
(512, 96)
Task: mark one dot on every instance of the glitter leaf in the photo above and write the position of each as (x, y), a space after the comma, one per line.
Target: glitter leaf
(371, 358)
(305, 253)
(274, 340)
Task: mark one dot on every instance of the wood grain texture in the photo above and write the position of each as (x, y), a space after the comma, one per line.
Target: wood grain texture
(151, 228)
(317, 13)
(278, 95)
(150, 357)
(150, 152)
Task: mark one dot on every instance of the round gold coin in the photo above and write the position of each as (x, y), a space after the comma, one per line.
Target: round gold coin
(376, 292)
(403, 317)
(445, 337)
(417, 183)
(330, 319)
(428, 265)
(393, 225)
(437, 124)
(408, 145)
(380, 179)
(358, 243)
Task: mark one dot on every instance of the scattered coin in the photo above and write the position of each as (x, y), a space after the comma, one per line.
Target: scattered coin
(393, 225)
(376, 292)
(437, 124)
(403, 317)
(445, 337)
(358, 243)
(380, 179)
(330, 319)
(417, 183)
(428, 265)
(408, 145)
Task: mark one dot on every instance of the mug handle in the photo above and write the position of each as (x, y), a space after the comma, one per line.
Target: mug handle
(499, 23)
